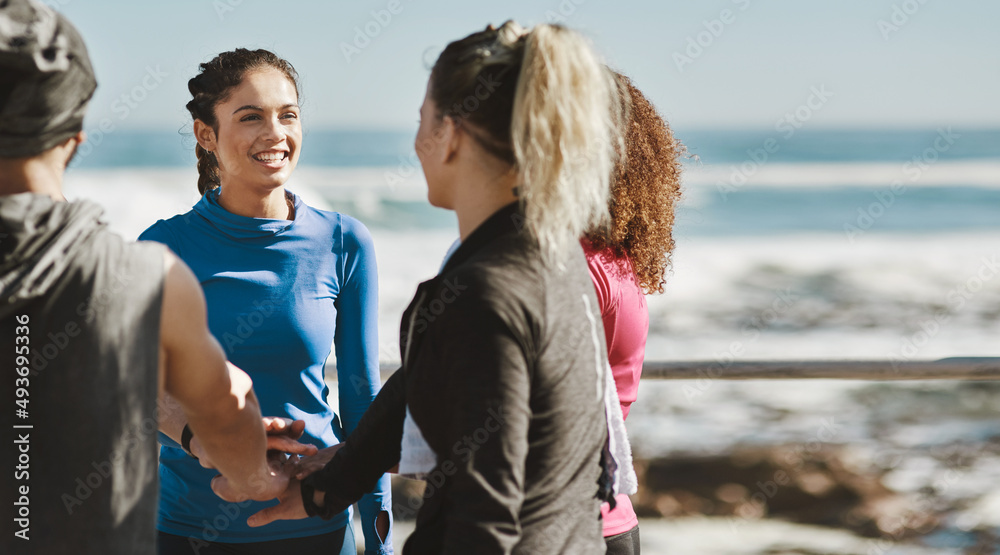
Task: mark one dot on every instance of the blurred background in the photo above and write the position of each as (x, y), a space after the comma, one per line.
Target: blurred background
(841, 200)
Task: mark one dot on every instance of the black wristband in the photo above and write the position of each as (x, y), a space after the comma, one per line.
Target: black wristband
(186, 437)
(312, 509)
(332, 504)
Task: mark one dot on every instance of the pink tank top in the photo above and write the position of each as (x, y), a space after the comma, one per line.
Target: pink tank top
(626, 324)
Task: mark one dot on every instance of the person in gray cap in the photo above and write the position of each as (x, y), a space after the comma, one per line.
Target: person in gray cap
(92, 328)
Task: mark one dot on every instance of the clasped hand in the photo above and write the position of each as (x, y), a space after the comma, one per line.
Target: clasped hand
(289, 462)
(284, 453)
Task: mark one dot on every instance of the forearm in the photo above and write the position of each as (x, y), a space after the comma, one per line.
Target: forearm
(171, 416)
(371, 450)
(231, 434)
(217, 397)
(370, 506)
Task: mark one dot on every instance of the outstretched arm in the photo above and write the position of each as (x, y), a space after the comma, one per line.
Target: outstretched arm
(217, 399)
(356, 467)
(282, 433)
(367, 453)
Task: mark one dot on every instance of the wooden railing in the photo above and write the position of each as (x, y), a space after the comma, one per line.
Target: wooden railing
(967, 368)
(964, 368)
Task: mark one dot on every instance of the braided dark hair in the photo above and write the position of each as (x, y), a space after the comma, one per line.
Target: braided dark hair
(213, 84)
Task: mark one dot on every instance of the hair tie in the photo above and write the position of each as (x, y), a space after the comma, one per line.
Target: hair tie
(511, 32)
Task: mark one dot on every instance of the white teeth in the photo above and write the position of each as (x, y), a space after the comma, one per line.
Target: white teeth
(270, 156)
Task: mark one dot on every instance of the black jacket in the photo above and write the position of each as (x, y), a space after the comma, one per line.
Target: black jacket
(503, 361)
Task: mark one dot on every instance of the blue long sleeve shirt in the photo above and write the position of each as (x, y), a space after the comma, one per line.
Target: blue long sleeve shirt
(279, 293)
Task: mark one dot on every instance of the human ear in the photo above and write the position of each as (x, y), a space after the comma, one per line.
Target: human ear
(205, 135)
(74, 142)
(66, 151)
(451, 139)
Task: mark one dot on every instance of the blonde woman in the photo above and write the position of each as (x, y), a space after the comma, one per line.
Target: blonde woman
(504, 363)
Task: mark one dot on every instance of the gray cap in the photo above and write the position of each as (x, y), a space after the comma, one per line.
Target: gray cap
(46, 78)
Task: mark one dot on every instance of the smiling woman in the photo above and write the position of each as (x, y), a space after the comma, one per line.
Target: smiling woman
(251, 133)
(282, 281)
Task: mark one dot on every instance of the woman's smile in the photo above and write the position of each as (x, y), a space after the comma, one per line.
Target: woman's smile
(275, 159)
(259, 132)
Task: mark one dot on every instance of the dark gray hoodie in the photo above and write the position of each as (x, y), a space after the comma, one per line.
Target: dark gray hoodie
(80, 406)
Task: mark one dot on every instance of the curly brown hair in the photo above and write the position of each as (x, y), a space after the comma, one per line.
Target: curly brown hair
(645, 190)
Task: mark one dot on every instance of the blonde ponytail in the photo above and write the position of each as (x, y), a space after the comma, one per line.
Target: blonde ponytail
(543, 102)
(566, 136)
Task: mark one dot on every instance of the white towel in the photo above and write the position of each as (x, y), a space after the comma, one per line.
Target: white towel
(625, 479)
(416, 458)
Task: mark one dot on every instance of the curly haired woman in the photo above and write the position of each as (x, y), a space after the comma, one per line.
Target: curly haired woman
(629, 258)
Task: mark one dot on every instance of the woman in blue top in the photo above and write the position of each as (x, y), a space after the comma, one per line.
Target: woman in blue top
(283, 281)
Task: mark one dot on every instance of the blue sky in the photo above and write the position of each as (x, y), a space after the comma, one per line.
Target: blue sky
(937, 65)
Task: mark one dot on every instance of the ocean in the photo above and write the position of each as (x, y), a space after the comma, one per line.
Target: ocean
(857, 236)
(832, 244)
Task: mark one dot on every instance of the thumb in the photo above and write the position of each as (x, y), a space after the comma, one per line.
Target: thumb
(222, 488)
(266, 516)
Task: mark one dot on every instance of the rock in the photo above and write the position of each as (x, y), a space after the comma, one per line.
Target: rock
(784, 482)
